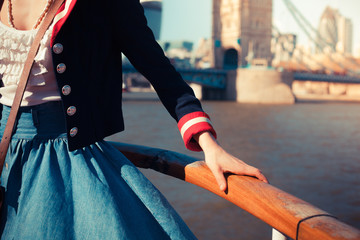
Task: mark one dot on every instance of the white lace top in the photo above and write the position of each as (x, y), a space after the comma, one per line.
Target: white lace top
(14, 47)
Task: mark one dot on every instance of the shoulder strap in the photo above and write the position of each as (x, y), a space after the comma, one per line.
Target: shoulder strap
(5, 141)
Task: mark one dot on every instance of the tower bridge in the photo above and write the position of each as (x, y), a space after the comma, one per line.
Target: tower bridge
(241, 37)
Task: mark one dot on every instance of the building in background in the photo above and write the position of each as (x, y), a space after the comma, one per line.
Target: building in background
(242, 31)
(328, 31)
(345, 35)
(335, 32)
(357, 53)
(202, 55)
(153, 10)
(179, 52)
(283, 47)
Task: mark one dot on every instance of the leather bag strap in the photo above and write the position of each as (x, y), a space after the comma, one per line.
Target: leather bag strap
(5, 141)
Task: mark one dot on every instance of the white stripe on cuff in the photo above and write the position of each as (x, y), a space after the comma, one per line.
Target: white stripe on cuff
(192, 122)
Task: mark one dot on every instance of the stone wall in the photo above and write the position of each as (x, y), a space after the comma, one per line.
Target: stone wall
(308, 90)
(265, 86)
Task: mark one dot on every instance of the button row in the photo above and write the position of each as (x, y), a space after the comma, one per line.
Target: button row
(58, 48)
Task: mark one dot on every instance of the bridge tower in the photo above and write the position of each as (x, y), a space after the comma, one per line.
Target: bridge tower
(241, 32)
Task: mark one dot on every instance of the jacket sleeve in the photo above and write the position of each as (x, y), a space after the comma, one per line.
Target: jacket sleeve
(138, 44)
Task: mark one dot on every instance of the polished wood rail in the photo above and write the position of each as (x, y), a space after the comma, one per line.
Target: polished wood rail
(284, 212)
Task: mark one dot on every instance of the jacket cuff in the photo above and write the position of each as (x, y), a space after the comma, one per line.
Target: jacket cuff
(192, 124)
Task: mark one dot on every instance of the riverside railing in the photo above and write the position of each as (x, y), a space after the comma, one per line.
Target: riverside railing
(287, 214)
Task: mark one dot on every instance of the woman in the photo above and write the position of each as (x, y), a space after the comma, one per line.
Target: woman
(62, 180)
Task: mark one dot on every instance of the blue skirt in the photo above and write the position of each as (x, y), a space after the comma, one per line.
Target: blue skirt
(91, 193)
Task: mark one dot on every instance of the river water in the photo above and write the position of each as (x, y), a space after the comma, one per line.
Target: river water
(310, 150)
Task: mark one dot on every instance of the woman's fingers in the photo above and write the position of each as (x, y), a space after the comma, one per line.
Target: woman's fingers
(244, 169)
(220, 178)
(252, 171)
(240, 168)
(249, 171)
(222, 163)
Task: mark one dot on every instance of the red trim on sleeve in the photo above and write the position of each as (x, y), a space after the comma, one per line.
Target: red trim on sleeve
(194, 123)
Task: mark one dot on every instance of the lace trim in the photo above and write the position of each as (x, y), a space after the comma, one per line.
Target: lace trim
(14, 47)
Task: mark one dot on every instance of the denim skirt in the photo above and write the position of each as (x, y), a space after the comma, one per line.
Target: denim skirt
(90, 193)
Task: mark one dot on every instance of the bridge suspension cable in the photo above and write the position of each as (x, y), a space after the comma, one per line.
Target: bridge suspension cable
(317, 39)
(306, 26)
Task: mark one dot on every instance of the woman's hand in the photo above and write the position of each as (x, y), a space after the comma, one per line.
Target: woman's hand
(220, 162)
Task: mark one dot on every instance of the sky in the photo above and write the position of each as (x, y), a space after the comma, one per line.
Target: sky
(191, 19)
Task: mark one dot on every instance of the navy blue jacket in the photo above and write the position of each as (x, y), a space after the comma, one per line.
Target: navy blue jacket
(87, 41)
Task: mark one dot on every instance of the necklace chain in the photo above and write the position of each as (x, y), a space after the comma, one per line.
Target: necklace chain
(41, 17)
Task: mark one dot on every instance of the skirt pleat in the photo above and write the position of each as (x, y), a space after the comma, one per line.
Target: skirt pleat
(90, 193)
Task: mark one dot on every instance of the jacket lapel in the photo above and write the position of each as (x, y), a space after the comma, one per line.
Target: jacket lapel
(60, 18)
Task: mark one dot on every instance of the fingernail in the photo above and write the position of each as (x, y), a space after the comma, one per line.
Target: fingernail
(222, 187)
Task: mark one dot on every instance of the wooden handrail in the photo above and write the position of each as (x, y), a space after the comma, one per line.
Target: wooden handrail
(284, 212)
